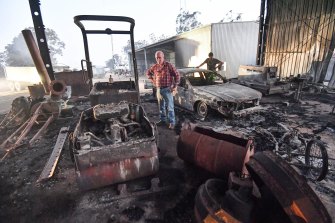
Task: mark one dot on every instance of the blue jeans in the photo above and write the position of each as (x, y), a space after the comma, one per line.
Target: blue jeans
(166, 103)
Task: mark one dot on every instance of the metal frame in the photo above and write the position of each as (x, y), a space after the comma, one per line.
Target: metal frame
(297, 36)
(78, 21)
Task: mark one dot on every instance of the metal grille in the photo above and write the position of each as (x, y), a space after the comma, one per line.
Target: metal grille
(298, 36)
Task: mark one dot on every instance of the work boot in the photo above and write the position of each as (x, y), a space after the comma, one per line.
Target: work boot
(161, 123)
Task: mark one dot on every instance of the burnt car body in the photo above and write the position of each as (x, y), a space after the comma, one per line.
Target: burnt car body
(201, 90)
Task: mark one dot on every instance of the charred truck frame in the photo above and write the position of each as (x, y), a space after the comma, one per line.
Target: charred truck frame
(105, 92)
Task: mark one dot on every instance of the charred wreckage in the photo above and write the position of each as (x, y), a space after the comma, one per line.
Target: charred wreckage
(115, 142)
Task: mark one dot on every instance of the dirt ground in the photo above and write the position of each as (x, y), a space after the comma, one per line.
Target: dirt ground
(60, 200)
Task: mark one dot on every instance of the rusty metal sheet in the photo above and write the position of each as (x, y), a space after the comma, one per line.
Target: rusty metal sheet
(77, 81)
(216, 152)
(116, 172)
(36, 91)
(113, 153)
(271, 173)
(50, 166)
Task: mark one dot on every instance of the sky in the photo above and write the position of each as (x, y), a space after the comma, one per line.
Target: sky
(151, 16)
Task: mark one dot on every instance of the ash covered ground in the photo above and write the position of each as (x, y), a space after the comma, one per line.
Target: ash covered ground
(60, 200)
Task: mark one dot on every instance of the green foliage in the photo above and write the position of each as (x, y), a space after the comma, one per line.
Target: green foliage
(187, 21)
(17, 53)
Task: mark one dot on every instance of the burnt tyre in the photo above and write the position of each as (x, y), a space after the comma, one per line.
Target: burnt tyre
(202, 109)
(316, 160)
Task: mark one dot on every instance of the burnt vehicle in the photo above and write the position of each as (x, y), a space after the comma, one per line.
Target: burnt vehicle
(114, 143)
(201, 90)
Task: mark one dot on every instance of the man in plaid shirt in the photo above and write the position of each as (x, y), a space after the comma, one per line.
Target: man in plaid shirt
(165, 77)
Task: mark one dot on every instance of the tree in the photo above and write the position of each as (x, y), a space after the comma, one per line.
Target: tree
(155, 39)
(231, 17)
(187, 21)
(2, 58)
(114, 62)
(17, 53)
(138, 44)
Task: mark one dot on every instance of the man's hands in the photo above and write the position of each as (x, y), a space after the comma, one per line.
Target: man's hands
(173, 91)
(158, 94)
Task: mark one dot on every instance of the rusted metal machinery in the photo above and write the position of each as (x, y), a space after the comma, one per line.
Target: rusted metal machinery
(280, 185)
(113, 143)
(18, 114)
(78, 81)
(208, 203)
(279, 195)
(262, 78)
(106, 92)
(216, 152)
(34, 52)
(45, 111)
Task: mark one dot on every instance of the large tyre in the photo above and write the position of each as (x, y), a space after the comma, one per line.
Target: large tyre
(202, 109)
(17, 86)
(11, 86)
(316, 159)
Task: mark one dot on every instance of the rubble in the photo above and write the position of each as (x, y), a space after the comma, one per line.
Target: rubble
(173, 200)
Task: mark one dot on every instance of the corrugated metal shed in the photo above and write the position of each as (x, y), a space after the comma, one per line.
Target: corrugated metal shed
(234, 43)
(298, 36)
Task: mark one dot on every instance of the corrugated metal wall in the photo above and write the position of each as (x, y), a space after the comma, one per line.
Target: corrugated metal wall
(193, 47)
(299, 36)
(236, 44)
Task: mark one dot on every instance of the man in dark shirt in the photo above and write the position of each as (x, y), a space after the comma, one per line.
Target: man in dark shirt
(165, 77)
(212, 63)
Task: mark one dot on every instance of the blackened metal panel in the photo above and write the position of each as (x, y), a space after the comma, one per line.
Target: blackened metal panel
(40, 35)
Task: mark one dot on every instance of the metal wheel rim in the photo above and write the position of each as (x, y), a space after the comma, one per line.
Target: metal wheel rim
(202, 109)
(316, 162)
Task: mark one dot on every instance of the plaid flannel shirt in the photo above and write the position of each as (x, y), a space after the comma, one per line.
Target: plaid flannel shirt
(163, 76)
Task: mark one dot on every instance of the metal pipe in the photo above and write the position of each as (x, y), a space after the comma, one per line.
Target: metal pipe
(35, 54)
